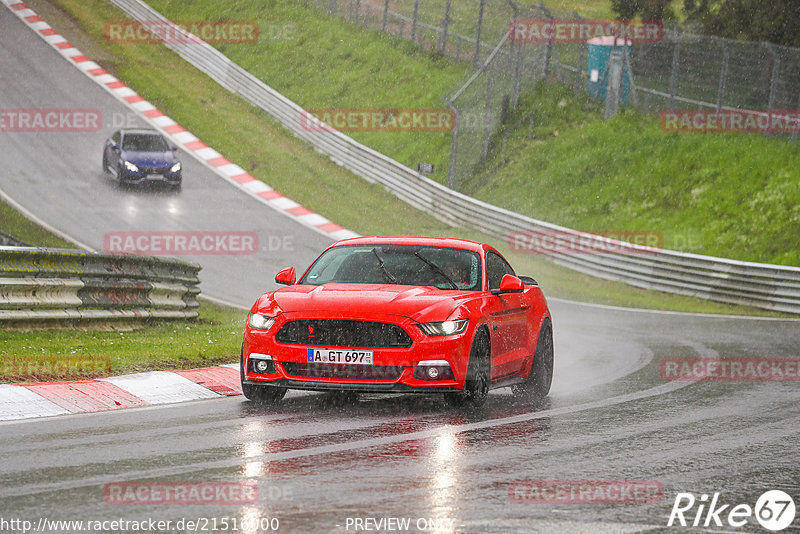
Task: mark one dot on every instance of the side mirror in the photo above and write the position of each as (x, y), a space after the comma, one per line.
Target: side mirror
(286, 276)
(114, 146)
(509, 284)
(173, 147)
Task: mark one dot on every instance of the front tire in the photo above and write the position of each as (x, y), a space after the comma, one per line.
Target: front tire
(260, 394)
(476, 388)
(538, 383)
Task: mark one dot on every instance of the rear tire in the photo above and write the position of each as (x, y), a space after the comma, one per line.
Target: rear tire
(538, 383)
(260, 394)
(476, 388)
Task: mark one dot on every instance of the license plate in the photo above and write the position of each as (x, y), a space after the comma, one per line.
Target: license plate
(352, 357)
(155, 176)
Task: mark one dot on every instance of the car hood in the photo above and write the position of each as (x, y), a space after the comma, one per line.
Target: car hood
(149, 159)
(366, 300)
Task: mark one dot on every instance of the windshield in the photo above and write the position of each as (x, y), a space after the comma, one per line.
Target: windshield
(440, 267)
(145, 143)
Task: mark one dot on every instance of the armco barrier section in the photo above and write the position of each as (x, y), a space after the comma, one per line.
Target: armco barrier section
(44, 285)
(765, 286)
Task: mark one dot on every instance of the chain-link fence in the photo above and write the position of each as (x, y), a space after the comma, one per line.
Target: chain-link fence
(677, 70)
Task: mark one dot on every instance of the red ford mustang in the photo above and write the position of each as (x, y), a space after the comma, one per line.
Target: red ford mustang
(401, 314)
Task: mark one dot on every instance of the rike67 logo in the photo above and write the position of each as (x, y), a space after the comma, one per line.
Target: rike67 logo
(774, 510)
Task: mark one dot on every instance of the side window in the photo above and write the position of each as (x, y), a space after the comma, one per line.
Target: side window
(496, 268)
(117, 137)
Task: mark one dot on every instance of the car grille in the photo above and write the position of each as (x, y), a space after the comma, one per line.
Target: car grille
(153, 170)
(343, 333)
(355, 372)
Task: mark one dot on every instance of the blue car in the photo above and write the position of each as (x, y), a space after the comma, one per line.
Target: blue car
(140, 156)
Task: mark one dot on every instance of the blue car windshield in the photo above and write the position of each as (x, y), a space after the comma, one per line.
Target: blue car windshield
(145, 143)
(440, 267)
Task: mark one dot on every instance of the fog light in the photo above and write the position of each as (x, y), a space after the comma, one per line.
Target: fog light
(433, 370)
(262, 365)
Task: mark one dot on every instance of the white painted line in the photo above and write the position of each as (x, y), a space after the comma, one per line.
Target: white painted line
(122, 92)
(161, 387)
(17, 402)
(163, 121)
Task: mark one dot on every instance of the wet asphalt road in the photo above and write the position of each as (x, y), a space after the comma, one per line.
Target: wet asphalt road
(321, 461)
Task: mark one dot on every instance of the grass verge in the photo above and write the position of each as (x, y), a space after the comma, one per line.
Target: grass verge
(213, 339)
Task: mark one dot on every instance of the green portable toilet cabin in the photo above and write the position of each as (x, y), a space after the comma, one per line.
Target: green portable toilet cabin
(597, 60)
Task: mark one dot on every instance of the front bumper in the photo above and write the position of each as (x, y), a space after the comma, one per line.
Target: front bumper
(392, 370)
(155, 176)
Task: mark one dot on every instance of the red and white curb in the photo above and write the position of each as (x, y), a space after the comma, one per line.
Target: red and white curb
(43, 399)
(182, 137)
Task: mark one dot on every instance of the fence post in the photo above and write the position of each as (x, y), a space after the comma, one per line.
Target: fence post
(614, 84)
(451, 177)
(579, 83)
(549, 46)
(476, 60)
(385, 14)
(332, 7)
(673, 79)
(776, 72)
(515, 58)
(414, 21)
(487, 125)
(723, 73)
(445, 24)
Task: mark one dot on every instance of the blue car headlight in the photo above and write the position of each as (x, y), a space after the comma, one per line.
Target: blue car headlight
(176, 167)
(130, 166)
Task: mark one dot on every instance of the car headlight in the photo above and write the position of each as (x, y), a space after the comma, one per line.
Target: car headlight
(260, 322)
(131, 167)
(176, 167)
(445, 328)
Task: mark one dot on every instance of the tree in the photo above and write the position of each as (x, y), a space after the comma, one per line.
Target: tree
(775, 21)
(648, 9)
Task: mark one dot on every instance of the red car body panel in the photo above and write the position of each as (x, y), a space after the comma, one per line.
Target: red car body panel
(513, 321)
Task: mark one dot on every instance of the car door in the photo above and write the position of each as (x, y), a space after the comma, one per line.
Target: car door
(507, 320)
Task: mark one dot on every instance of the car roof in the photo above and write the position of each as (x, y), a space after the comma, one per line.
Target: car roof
(145, 131)
(447, 242)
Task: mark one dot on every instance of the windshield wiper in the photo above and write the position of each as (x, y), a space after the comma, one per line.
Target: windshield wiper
(386, 272)
(436, 268)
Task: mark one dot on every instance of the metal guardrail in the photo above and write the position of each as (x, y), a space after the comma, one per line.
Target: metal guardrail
(766, 286)
(46, 285)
